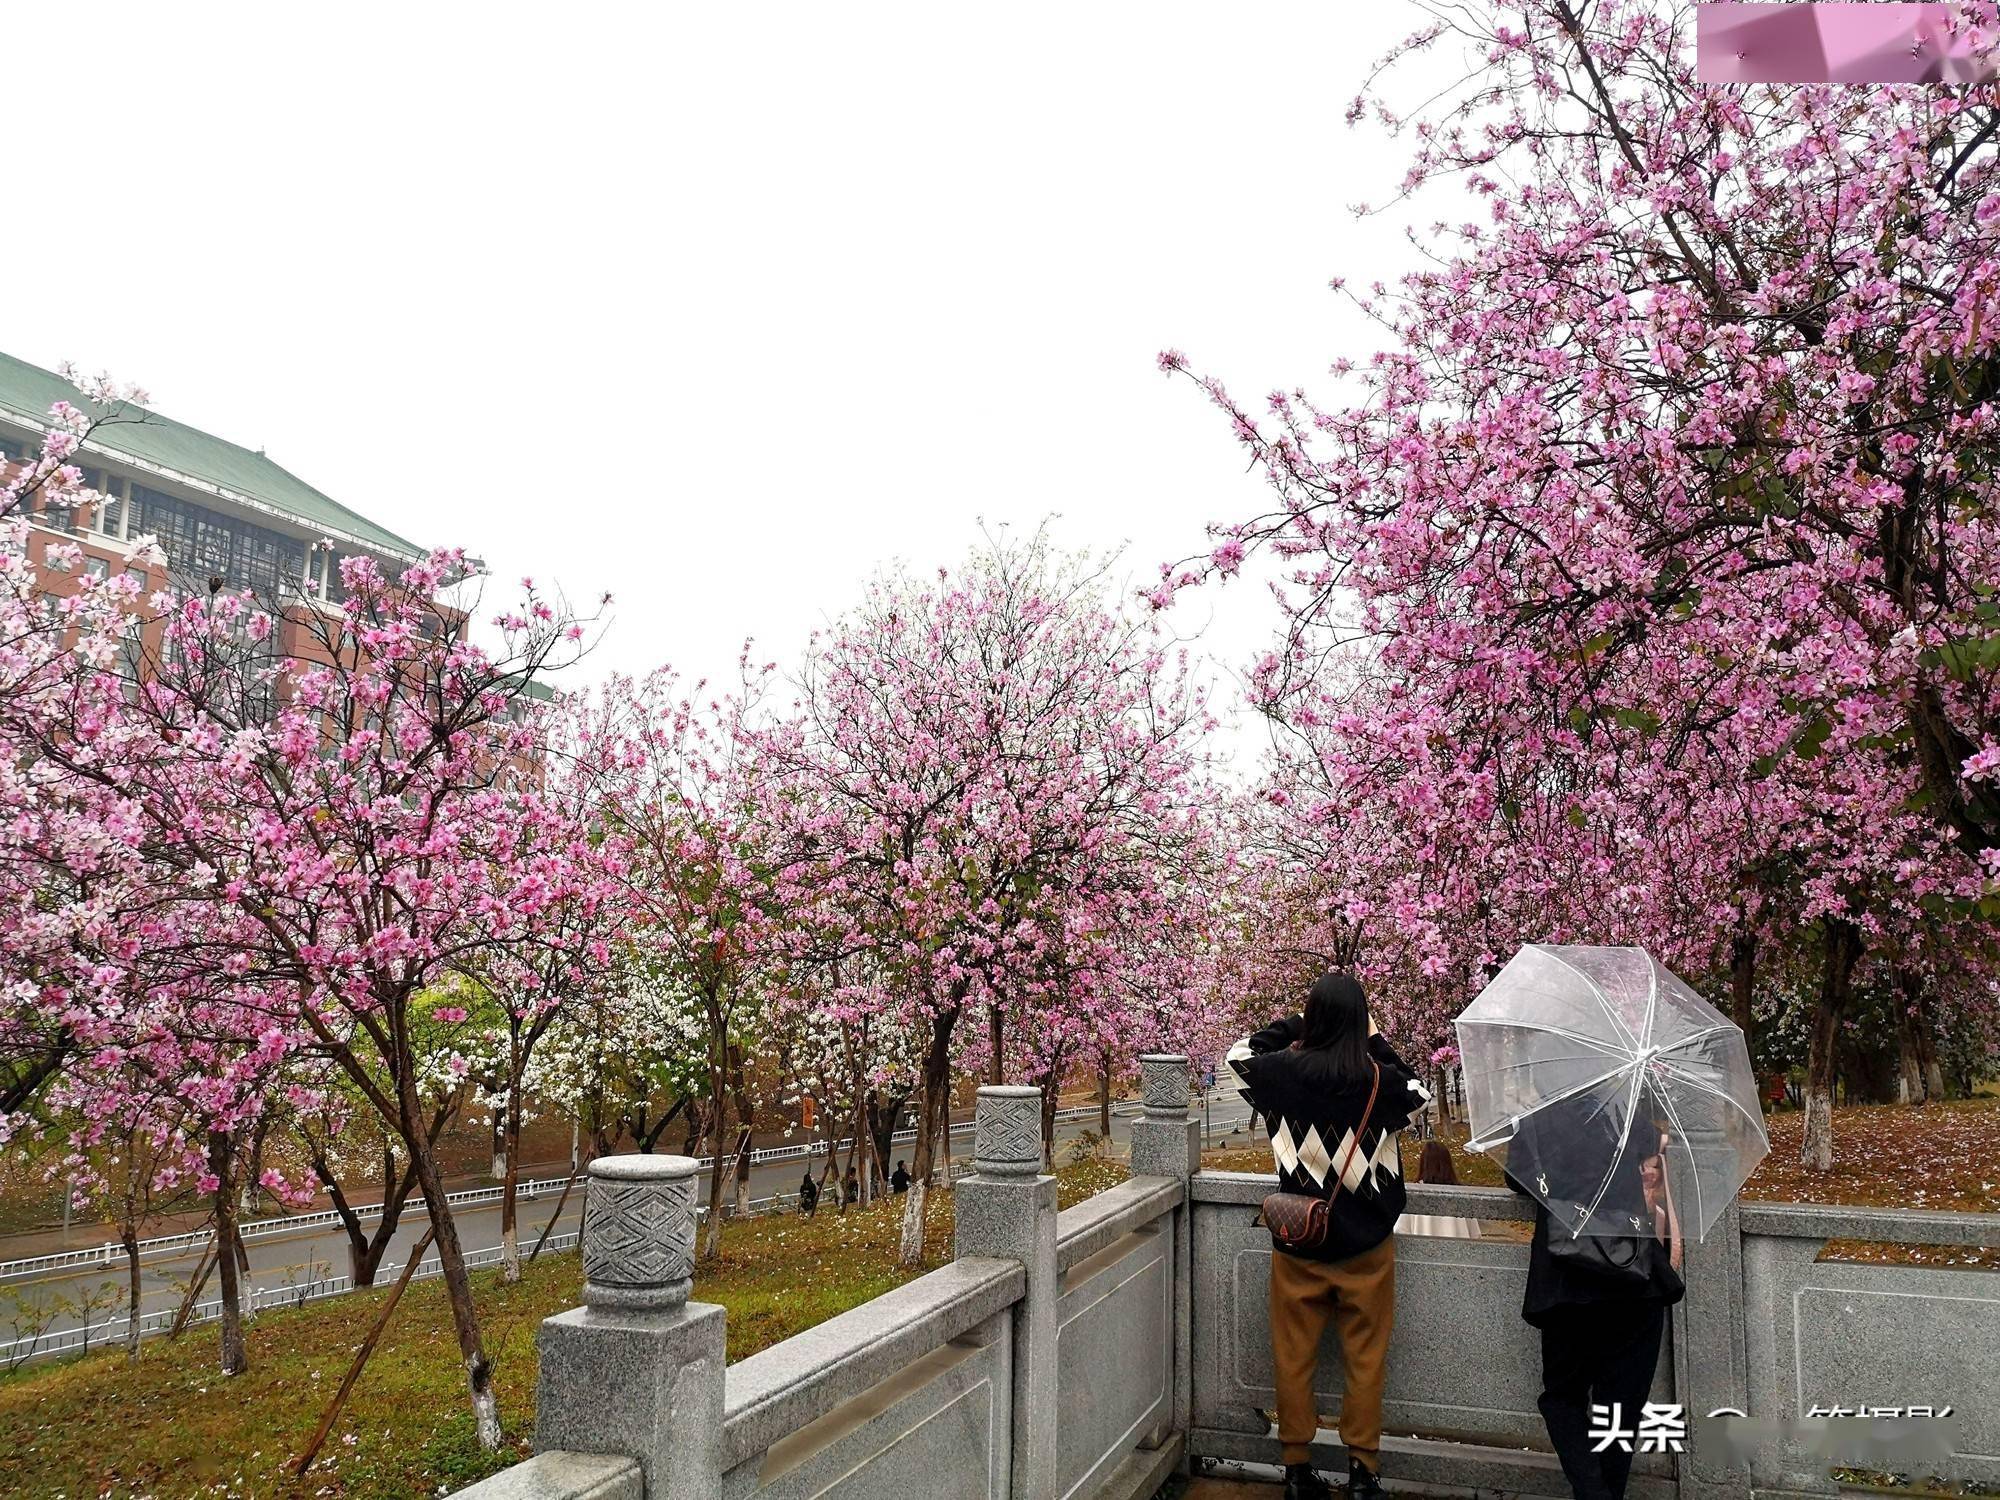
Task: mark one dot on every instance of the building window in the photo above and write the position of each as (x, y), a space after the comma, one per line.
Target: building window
(96, 567)
(203, 545)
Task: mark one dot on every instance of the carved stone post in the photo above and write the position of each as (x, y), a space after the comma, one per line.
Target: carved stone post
(1007, 1208)
(1166, 1142)
(638, 1369)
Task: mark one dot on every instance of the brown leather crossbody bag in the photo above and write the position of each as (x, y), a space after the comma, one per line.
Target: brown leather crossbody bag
(1298, 1221)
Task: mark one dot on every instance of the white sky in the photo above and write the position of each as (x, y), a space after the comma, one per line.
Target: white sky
(717, 307)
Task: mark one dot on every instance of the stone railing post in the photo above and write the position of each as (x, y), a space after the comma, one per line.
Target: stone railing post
(638, 1369)
(1166, 1142)
(1711, 1359)
(1007, 1208)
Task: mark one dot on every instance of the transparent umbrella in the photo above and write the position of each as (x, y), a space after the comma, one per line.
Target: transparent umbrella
(1581, 1062)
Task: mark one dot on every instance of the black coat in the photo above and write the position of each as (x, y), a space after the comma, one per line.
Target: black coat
(1540, 1143)
(1315, 1121)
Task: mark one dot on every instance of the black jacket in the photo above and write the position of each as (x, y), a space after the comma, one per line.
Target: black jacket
(1315, 1121)
(1554, 1284)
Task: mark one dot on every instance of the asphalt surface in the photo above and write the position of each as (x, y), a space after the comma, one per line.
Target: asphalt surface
(284, 1260)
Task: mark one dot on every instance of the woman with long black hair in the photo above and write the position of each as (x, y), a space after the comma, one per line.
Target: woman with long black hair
(1334, 1095)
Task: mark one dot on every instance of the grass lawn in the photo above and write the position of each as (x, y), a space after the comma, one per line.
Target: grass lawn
(171, 1426)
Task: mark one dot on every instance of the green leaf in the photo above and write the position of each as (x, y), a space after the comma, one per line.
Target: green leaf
(1637, 718)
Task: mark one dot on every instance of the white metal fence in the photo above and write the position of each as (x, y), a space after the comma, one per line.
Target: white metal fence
(291, 1294)
(112, 1329)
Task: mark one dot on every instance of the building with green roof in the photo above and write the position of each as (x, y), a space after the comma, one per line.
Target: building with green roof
(217, 509)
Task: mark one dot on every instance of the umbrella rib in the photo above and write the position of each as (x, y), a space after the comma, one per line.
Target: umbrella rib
(1700, 1036)
(1543, 1062)
(1603, 999)
(1605, 1049)
(1694, 1169)
(1682, 1076)
(1618, 1155)
(1542, 1104)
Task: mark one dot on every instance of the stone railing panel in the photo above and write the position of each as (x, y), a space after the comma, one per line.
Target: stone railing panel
(1847, 1334)
(1114, 1356)
(1087, 1227)
(777, 1391)
(565, 1476)
(940, 1427)
(1464, 1370)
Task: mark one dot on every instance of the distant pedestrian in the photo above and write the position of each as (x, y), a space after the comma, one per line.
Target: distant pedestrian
(899, 1180)
(851, 1187)
(808, 1194)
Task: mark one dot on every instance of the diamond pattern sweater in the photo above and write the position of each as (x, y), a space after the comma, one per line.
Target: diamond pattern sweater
(1315, 1124)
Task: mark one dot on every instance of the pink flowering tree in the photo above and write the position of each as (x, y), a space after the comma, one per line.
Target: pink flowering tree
(1664, 511)
(982, 768)
(67, 852)
(334, 831)
(673, 785)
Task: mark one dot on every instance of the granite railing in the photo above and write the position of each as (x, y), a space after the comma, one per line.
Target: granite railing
(1089, 1354)
(1768, 1329)
(1049, 1359)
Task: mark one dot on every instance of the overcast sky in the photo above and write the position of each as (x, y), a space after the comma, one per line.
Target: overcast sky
(718, 308)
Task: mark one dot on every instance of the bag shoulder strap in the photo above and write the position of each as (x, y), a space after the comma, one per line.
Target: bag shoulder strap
(1360, 1130)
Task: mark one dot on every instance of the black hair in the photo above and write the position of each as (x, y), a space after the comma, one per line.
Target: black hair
(1336, 1020)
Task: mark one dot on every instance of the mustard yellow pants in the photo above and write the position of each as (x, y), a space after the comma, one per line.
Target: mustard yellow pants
(1359, 1294)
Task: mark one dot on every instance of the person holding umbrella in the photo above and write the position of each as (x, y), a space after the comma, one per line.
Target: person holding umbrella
(1624, 1105)
(1601, 1323)
(1334, 1094)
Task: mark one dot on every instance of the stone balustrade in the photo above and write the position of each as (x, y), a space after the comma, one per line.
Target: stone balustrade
(1088, 1354)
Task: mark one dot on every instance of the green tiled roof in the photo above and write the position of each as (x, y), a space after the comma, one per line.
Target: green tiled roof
(29, 391)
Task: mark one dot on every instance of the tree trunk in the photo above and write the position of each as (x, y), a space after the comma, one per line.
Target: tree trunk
(253, 1186)
(1049, 1118)
(128, 1236)
(1743, 986)
(746, 1125)
(1927, 1057)
(1909, 1065)
(1843, 950)
(996, 1042)
(936, 1111)
(859, 1154)
(451, 1261)
(1104, 1102)
(718, 1159)
(697, 1127)
(510, 1191)
(221, 1161)
(500, 1124)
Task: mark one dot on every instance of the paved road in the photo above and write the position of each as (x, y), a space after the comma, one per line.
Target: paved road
(288, 1260)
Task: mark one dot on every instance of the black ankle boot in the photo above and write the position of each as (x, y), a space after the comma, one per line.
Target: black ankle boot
(1361, 1481)
(1301, 1483)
